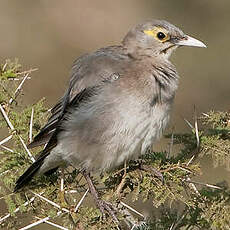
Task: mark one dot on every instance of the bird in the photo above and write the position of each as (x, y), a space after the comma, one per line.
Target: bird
(116, 106)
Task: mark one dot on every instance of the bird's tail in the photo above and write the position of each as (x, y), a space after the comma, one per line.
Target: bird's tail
(27, 176)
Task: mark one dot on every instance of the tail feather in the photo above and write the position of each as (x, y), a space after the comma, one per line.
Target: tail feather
(27, 176)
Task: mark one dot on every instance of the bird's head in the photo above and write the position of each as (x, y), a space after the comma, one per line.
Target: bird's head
(157, 38)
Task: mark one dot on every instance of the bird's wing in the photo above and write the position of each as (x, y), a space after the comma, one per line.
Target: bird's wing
(88, 72)
(46, 132)
(87, 79)
(52, 142)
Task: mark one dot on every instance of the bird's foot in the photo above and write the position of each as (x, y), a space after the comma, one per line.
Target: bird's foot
(104, 206)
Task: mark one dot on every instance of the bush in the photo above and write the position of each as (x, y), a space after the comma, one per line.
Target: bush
(179, 201)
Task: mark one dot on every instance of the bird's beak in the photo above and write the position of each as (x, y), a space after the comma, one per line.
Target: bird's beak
(190, 41)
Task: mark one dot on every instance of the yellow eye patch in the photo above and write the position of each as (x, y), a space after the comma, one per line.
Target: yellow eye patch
(159, 33)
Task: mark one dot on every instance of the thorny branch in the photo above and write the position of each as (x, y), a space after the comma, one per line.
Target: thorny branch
(135, 181)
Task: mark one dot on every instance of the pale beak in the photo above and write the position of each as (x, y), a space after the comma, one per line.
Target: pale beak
(190, 41)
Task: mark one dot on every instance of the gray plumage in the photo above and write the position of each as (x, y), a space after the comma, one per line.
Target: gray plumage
(117, 104)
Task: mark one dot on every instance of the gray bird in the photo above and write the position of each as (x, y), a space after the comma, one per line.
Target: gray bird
(117, 105)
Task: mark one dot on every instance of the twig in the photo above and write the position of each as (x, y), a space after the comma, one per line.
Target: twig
(44, 220)
(16, 93)
(132, 209)
(6, 139)
(17, 209)
(6, 148)
(2, 173)
(175, 225)
(188, 123)
(27, 71)
(129, 219)
(72, 191)
(4, 67)
(14, 79)
(27, 150)
(51, 202)
(196, 129)
(205, 184)
(6, 118)
(176, 166)
(12, 128)
(55, 225)
(35, 223)
(190, 161)
(62, 180)
(134, 226)
(31, 125)
(81, 200)
(184, 169)
(205, 114)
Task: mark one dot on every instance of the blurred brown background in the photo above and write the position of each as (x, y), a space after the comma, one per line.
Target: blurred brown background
(50, 34)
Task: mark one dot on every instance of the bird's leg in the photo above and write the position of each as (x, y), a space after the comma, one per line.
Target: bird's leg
(122, 183)
(101, 204)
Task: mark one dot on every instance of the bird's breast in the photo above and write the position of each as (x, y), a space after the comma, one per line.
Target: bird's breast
(142, 131)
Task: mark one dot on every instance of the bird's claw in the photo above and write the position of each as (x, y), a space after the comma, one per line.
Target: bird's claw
(106, 207)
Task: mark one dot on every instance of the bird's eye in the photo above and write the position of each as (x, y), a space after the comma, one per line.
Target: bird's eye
(161, 35)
